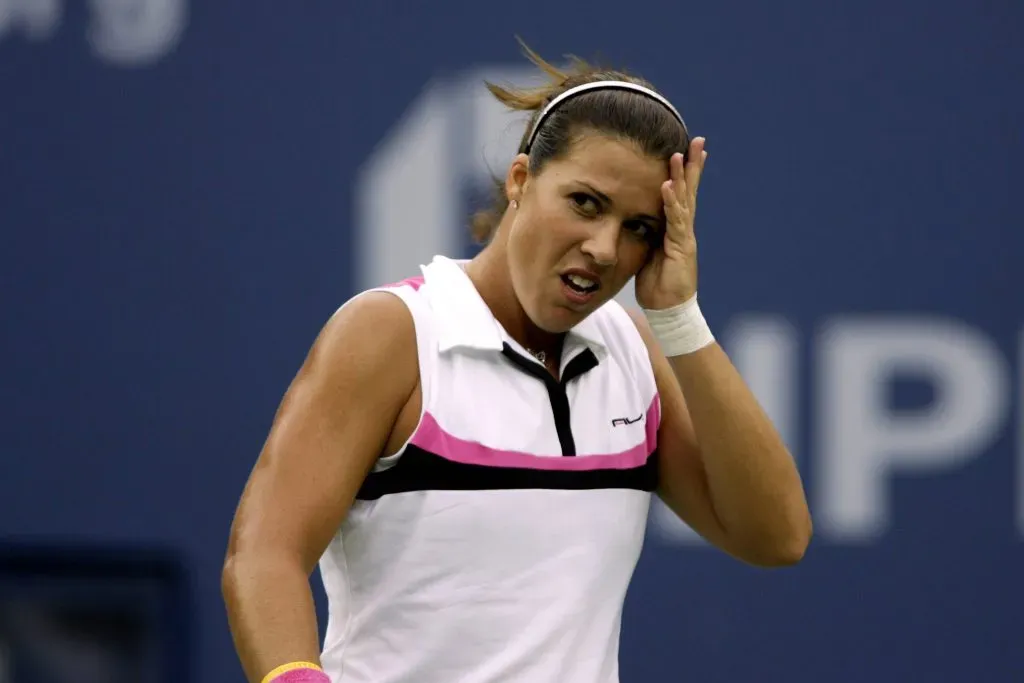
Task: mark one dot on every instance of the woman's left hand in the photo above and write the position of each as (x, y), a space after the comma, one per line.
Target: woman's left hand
(670, 277)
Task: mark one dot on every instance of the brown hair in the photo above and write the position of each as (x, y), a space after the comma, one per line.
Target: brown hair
(624, 113)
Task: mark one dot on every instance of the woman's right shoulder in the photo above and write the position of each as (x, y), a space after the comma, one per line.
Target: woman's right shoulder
(373, 310)
(372, 335)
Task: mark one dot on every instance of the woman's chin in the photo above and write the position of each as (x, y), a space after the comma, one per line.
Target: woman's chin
(557, 319)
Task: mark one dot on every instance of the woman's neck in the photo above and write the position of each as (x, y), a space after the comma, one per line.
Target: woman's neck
(489, 273)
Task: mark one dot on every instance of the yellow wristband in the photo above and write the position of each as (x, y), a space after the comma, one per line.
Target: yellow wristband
(285, 668)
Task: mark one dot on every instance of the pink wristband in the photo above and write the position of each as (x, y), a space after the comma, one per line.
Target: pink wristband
(297, 672)
(302, 676)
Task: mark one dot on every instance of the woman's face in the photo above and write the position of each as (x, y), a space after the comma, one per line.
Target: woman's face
(584, 226)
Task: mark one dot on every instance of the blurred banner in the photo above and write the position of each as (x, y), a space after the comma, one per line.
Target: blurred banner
(188, 191)
(72, 615)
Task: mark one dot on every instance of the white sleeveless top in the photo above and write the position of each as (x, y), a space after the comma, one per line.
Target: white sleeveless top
(498, 544)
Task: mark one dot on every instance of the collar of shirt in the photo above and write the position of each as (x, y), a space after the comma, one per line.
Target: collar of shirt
(465, 321)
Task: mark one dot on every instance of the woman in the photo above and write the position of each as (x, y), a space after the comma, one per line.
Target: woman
(470, 454)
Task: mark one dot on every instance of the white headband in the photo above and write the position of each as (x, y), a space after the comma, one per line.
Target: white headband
(597, 85)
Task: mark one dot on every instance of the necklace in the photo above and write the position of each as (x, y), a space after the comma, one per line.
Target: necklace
(539, 355)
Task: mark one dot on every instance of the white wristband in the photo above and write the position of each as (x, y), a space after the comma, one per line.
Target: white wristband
(681, 329)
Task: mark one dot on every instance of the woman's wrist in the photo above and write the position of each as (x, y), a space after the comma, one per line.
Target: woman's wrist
(681, 329)
(297, 672)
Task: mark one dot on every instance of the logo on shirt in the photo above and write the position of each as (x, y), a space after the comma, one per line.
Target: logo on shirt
(623, 421)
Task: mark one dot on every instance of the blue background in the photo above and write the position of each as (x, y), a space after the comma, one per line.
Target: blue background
(175, 232)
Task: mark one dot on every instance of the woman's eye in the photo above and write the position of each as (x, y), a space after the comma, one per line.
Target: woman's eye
(584, 203)
(639, 228)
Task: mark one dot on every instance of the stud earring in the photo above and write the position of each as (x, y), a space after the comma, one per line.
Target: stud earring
(514, 204)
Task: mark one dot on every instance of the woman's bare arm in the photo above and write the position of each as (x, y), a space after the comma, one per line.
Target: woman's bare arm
(332, 424)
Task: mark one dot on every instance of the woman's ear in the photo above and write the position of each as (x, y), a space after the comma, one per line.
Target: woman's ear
(517, 177)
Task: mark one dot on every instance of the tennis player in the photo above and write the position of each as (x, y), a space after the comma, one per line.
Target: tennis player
(470, 454)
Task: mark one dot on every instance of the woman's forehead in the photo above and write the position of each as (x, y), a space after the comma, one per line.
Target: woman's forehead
(615, 167)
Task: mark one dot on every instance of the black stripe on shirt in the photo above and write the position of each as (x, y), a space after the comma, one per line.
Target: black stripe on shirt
(420, 470)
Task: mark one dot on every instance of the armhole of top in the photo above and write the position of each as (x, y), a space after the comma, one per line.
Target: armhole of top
(423, 331)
